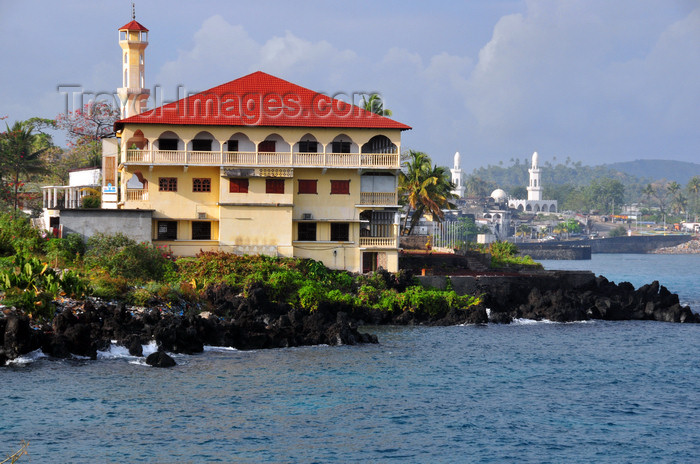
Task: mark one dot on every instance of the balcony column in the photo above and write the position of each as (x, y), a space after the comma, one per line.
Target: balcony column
(221, 152)
(55, 197)
(187, 151)
(325, 162)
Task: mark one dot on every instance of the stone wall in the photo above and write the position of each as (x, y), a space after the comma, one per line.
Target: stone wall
(134, 223)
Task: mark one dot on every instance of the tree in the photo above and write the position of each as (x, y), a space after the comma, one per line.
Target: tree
(19, 158)
(375, 104)
(693, 188)
(86, 127)
(477, 187)
(424, 188)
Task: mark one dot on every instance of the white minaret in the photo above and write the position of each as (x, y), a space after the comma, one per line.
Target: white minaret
(133, 39)
(534, 189)
(457, 178)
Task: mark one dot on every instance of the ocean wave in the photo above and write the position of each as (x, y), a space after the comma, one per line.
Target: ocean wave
(219, 348)
(523, 321)
(27, 358)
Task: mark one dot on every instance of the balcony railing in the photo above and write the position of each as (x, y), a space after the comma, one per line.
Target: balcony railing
(378, 198)
(259, 159)
(378, 242)
(136, 195)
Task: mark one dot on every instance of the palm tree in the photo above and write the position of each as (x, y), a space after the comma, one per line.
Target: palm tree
(694, 188)
(18, 155)
(375, 104)
(648, 192)
(677, 199)
(424, 188)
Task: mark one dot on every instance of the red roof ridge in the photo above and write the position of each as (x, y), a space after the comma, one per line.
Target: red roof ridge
(133, 26)
(261, 99)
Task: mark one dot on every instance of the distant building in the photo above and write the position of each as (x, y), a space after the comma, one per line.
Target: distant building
(534, 202)
(457, 178)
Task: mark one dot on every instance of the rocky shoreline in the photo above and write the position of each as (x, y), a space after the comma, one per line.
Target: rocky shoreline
(690, 247)
(255, 322)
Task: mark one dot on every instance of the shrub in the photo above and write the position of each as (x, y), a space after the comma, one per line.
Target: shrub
(109, 287)
(311, 295)
(618, 231)
(122, 256)
(17, 236)
(91, 201)
(64, 251)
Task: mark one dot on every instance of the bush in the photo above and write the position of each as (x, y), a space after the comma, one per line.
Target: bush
(618, 231)
(91, 201)
(31, 286)
(17, 236)
(122, 256)
(64, 251)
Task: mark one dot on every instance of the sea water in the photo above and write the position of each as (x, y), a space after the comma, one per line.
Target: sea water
(603, 392)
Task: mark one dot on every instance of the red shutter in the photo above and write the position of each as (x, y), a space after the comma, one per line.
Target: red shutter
(307, 186)
(340, 187)
(238, 186)
(274, 185)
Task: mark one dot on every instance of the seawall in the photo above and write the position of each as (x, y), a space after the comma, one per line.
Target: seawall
(554, 251)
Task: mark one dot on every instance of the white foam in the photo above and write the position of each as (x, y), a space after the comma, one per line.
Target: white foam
(27, 358)
(523, 321)
(151, 348)
(114, 352)
(219, 348)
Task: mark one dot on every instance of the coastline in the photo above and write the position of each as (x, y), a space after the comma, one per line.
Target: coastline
(256, 322)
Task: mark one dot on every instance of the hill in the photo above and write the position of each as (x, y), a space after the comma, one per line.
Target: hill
(652, 170)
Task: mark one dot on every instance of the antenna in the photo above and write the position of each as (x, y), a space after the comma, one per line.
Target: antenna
(133, 11)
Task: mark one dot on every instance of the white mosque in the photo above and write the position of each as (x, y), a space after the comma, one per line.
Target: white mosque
(534, 202)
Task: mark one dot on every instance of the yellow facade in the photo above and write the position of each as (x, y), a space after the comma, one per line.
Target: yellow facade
(338, 208)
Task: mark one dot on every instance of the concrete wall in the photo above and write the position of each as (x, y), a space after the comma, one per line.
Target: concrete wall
(633, 244)
(553, 251)
(135, 224)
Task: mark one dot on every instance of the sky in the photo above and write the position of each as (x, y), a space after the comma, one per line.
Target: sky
(595, 81)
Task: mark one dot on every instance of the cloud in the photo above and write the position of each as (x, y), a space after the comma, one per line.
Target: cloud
(594, 80)
(222, 52)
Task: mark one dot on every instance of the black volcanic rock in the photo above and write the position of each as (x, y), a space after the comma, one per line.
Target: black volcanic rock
(160, 359)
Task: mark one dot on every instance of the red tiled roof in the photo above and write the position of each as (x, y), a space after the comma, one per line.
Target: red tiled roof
(260, 99)
(133, 26)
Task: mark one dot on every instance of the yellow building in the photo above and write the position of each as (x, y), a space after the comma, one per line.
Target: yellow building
(260, 165)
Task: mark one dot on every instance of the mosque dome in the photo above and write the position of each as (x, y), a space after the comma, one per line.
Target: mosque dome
(499, 195)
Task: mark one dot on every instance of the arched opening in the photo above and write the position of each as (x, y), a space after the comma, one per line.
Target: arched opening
(537, 208)
(273, 143)
(137, 141)
(528, 208)
(239, 142)
(307, 144)
(520, 208)
(379, 144)
(126, 57)
(343, 144)
(204, 141)
(552, 208)
(169, 141)
(137, 181)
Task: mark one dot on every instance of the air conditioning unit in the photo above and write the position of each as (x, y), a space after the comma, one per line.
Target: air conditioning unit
(307, 216)
(202, 215)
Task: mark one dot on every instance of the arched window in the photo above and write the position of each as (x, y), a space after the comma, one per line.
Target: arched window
(126, 57)
(379, 144)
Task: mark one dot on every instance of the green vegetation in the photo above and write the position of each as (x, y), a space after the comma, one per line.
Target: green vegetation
(423, 188)
(504, 254)
(619, 231)
(115, 267)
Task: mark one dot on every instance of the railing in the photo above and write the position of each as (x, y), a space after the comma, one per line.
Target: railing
(252, 159)
(378, 242)
(136, 195)
(378, 198)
